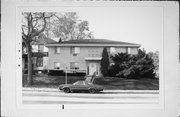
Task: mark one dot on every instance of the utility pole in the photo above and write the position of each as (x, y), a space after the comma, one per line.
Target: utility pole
(66, 76)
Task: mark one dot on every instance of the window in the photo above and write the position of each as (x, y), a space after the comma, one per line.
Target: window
(128, 50)
(79, 83)
(89, 83)
(112, 50)
(74, 65)
(39, 62)
(40, 48)
(93, 52)
(56, 65)
(35, 48)
(57, 50)
(75, 50)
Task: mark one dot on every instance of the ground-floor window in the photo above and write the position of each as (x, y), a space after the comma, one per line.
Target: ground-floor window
(39, 62)
(56, 65)
(74, 65)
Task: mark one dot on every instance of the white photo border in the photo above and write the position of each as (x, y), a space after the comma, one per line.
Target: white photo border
(168, 65)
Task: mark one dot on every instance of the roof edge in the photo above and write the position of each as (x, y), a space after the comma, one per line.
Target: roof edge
(92, 45)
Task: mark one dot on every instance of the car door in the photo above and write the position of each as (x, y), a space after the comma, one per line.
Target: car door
(79, 86)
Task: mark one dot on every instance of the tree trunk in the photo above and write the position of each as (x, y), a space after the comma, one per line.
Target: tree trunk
(29, 78)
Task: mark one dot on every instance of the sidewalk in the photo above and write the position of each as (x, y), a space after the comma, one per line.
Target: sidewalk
(112, 91)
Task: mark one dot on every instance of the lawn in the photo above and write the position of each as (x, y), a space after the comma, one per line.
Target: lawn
(51, 81)
(109, 83)
(128, 84)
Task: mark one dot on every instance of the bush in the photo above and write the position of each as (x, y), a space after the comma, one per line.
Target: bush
(56, 73)
(45, 71)
(76, 74)
(112, 71)
(132, 66)
(33, 71)
(62, 73)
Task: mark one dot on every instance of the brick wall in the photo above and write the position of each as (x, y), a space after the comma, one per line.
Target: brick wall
(65, 56)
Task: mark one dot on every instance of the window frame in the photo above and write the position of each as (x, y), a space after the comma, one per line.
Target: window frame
(40, 48)
(74, 68)
(128, 50)
(112, 50)
(55, 66)
(56, 50)
(73, 51)
(39, 60)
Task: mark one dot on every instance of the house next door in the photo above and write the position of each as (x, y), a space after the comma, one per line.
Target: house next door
(93, 67)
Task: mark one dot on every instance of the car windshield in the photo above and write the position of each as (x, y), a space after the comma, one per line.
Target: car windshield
(79, 83)
(88, 78)
(89, 83)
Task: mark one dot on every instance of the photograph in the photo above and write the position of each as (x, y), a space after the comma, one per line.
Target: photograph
(100, 55)
(89, 58)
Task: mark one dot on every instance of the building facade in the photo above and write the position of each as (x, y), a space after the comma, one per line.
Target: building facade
(84, 55)
(39, 54)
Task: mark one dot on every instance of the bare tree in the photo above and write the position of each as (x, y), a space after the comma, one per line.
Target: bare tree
(33, 24)
(66, 26)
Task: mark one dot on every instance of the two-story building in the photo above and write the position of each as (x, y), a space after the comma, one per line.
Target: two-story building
(84, 55)
(39, 53)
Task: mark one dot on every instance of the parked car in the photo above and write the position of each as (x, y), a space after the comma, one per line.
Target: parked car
(80, 86)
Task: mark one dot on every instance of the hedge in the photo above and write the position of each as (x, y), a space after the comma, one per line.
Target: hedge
(62, 73)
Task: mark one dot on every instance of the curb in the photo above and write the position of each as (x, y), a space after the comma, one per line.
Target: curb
(114, 91)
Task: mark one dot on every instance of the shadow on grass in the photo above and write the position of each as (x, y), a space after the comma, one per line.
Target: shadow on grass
(128, 84)
(50, 81)
(109, 83)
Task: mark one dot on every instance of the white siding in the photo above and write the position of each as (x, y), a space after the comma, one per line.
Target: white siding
(45, 49)
(45, 62)
(34, 48)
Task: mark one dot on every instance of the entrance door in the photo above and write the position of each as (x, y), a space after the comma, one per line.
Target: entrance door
(92, 68)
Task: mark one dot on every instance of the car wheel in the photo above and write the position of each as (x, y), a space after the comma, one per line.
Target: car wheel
(92, 90)
(60, 89)
(66, 90)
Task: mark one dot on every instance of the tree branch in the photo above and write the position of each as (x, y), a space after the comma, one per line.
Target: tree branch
(36, 32)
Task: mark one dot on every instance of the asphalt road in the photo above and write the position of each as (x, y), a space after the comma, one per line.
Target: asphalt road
(53, 97)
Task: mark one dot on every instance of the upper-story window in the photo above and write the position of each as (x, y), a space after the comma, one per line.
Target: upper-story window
(75, 50)
(56, 65)
(129, 50)
(40, 48)
(112, 49)
(93, 52)
(57, 50)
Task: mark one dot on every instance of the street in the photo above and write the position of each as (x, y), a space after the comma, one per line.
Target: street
(54, 96)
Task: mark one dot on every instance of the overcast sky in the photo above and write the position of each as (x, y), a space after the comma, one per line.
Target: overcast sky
(141, 25)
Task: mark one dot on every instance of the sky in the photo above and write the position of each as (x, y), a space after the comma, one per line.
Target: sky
(141, 25)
